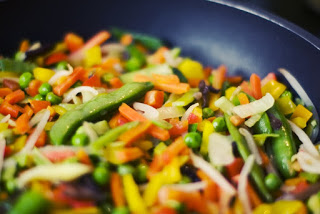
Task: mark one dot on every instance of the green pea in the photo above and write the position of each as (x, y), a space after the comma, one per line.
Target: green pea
(53, 99)
(125, 169)
(207, 112)
(20, 56)
(193, 127)
(63, 65)
(25, 79)
(38, 97)
(45, 88)
(101, 175)
(141, 172)
(219, 124)
(193, 140)
(272, 181)
(134, 63)
(120, 210)
(79, 139)
(286, 93)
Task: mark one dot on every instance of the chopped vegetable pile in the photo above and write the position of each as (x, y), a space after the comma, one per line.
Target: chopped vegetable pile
(121, 124)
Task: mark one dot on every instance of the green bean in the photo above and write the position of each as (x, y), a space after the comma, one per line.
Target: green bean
(30, 202)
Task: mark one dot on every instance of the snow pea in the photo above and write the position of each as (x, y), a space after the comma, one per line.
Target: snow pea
(99, 106)
(256, 172)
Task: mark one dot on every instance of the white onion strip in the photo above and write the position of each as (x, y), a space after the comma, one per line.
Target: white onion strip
(73, 92)
(305, 140)
(220, 149)
(251, 144)
(303, 95)
(189, 111)
(148, 111)
(37, 118)
(236, 92)
(5, 119)
(242, 185)
(12, 123)
(35, 135)
(214, 174)
(59, 74)
(225, 105)
(2, 149)
(255, 107)
(308, 162)
(90, 132)
(252, 120)
(190, 187)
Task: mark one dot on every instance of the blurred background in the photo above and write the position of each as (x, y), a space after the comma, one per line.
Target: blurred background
(305, 13)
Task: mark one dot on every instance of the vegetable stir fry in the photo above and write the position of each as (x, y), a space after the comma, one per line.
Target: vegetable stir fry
(120, 124)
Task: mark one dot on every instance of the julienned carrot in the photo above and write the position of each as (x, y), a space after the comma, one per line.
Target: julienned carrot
(22, 123)
(256, 86)
(127, 154)
(6, 108)
(179, 88)
(154, 98)
(158, 56)
(77, 74)
(73, 42)
(41, 141)
(38, 105)
(110, 63)
(211, 190)
(234, 79)
(97, 39)
(24, 45)
(33, 88)
(166, 156)
(236, 120)
(115, 82)
(15, 97)
(126, 39)
(243, 98)
(28, 110)
(55, 58)
(270, 76)
(117, 192)
(83, 157)
(4, 92)
(132, 115)
(235, 167)
(246, 88)
(166, 79)
(142, 78)
(93, 81)
(135, 133)
(219, 76)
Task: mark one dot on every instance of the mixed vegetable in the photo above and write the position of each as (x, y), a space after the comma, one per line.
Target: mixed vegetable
(120, 124)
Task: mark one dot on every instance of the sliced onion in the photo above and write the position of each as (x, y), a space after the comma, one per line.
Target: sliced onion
(305, 140)
(214, 174)
(62, 148)
(308, 162)
(2, 150)
(148, 111)
(37, 117)
(35, 135)
(76, 100)
(86, 96)
(242, 185)
(59, 74)
(53, 173)
(170, 112)
(236, 92)
(5, 119)
(251, 144)
(172, 59)
(304, 96)
(252, 120)
(190, 187)
(255, 107)
(12, 123)
(220, 149)
(225, 105)
(189, 111)
(90, 132)
(73, 92)
(113, 48)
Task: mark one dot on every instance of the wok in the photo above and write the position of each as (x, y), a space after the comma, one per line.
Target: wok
(245, 39)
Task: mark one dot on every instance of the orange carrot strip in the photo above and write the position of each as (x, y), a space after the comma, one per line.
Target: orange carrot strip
(41, 141)
(33, 88)
(13, 85)
(236, 120)
(264, 156)
(234, 79)
(117, 192)
(194, 82)
(115, 82)
(28, 110)
(270, 76)
(135, 133)
(243, 98)
(72, 79)
(83, 157)
(4, 92)
(15, 97)
(211, 190)
(246, 88)
(166, 79)
(55, 58)
(73, 42)
(22, 124)
(132, 115)
(93, 81)
(256, 86)
(6, 108)
(173, 88)
(154, 98)
(235, 167)
(126, 39)
(158, 56)
(219, 76)
(142, 78)
(110, 63)
(128, 154)
(38, 105)
(178, 127)
(24, 45)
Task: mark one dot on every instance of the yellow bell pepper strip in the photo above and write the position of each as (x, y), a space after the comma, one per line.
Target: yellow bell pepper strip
(93, 56)
(191, 69)
(301, 111)
(286, 105)
(274, 88)
(300, 122)
(288, 207)
(212, 99)
(229, 92)
(134, 199)
(43, 74)
(207, 131)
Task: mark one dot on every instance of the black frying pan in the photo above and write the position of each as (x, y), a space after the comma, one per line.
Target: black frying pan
(246, 40)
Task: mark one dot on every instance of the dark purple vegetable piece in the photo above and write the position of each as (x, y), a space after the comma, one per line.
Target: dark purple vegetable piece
(43, 49)
(275, 122)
